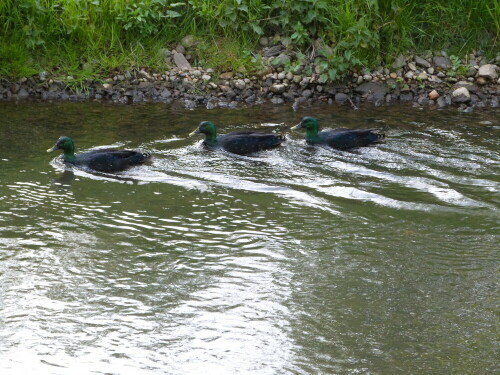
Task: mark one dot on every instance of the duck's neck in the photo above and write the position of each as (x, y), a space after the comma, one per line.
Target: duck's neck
(69, 154)
(312, 134)
(211, 137)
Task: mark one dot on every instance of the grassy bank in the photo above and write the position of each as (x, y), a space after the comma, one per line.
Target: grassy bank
(90, 38)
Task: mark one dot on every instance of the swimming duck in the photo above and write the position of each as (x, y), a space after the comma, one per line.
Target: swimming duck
(244, 142)
(102, 160)
(342, 138)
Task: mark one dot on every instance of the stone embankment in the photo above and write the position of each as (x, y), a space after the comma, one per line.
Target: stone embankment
(429, 80)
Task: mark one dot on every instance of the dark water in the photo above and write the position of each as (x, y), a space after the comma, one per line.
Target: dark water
(301, 260)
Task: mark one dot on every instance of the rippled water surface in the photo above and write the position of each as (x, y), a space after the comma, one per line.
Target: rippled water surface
(301, 260)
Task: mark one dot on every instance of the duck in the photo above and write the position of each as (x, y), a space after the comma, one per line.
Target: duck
(240, 142)
(101, 160)
(341, 138)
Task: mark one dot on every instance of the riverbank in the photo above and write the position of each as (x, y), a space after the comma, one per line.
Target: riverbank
(434, 79)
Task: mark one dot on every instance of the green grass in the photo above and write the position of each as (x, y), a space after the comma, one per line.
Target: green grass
(91, 38)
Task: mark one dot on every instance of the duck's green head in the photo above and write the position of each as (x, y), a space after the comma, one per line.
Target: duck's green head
(308, 123)
(64, 143)
(208, 128)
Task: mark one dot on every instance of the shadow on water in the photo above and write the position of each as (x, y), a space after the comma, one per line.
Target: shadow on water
(298, 260)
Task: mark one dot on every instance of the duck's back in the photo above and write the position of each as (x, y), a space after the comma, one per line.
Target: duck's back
(344, 139)
(247, 142)
(110, 160)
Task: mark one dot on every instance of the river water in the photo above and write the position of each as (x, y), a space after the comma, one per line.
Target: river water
(300, 260)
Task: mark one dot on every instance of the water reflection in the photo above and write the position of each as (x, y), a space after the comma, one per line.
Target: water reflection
(298, 260)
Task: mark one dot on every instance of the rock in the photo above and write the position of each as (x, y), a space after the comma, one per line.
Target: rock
(196, 73)
(441, 62)
(377, 89)
(341, 97)
(180, 49)
(189, 104)
(273, 51)
(460, 95)
(280, 61)
(488, 71)
(412, 66)
(422, 62)
(22, 93)
(107, 86)
(307, 93)
(422, 76)
(367, 77)
(393, 75)
(226, 76)
(410, 74)
(181, 61)
(281, 76)
(277, 100)
(430, 70)
(468, 85)
(433, 95)
(481, 81)
(278, 88)
(406, 97)
(441, 102)
(399, 62)
(264, 41)
(188, 41)
(206, 77)
(239, 84)
(264, 72)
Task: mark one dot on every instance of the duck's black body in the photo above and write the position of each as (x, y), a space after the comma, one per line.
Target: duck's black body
(342, 138)
(109, 160)
(102, 160)
(241, 143)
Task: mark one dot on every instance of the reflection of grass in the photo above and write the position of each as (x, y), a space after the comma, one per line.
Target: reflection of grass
(89, 38)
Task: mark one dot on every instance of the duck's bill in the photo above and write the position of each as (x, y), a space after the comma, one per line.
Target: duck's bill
(298, 126)
(194, 132)
(51, 149)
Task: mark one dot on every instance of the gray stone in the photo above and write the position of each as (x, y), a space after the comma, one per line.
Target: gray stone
(226, 76)
(488, 71)
(281, 76)
(189, 104)
(277, 100)
(341, 97)
(412, 66)
(441, 62)
(377, 89)
(180, 49)
(409, 74)
(188, 41)
(23, 93)
(430, 70)
(264, 41)
(128, 75)
(468, 85)
(280, 61)
(460, 95)
(239, 84)
(181, 61)
(307, 93)
(196, 73)
(441, 102)
(399, 62)
(422, 62)
(278, 88)
(206, 77)
(406, 97)
(274, 50)
(166, 93)
(422, 76)
(43, 76)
